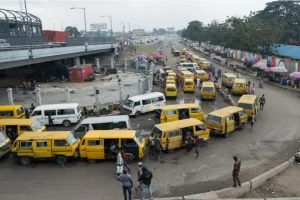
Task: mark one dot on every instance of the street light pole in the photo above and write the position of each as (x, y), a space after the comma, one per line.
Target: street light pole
(84, 18)
(30, 32)
(111, 29)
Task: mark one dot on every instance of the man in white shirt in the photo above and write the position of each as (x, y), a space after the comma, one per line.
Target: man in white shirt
(252, 119)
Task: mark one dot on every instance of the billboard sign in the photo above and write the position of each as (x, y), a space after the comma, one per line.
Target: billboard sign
(98, 26)
(170, 28)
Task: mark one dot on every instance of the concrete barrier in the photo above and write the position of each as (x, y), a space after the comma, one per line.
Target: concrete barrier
(233, 192)
(257, 181)
(217, 59)
(206, 195)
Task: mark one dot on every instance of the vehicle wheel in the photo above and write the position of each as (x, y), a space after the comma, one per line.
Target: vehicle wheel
(15, 158)
(61, 160)
(137, 114)
(226, 135)
(128, 158)
(92, 161)
(25, 160)
(66, 123)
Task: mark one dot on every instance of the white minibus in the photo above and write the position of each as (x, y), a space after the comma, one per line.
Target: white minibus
(65, 114)
(103, 123)
(136, 105)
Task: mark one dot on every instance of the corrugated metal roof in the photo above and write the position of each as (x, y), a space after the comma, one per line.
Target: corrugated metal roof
(290, 51)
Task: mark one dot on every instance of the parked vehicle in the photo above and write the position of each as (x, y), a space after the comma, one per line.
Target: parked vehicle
(175, 112)
(12, 111)
(49, 145)
(171, 90)
(250, 104)
(102, 123)
(4, 144)
(228, 79)
(188, 85)
(136, 105)
(189, 66)
(239, 86)
(172, 134)
(201, 74)
(65, 114)
(208, 90)
(15, 127)
(102, 145)
(226, 120)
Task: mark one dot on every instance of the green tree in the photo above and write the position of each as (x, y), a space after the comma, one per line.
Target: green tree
(73, 31)
(195, 31)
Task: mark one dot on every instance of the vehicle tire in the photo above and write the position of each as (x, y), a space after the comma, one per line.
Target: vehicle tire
(226, 135)
(25, 160)
(137, 114)
(15, 158)
(66, 123)
(92, 161)
(61, 160)
(128, 158)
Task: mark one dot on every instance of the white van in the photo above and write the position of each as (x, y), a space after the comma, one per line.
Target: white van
(65, 114)
(189, 66)
(103, 123)
(136, 105)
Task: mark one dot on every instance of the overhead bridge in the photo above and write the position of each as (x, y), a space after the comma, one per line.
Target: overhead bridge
(10, 59)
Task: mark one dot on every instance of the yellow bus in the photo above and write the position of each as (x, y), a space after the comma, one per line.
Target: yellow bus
(249, 103)
(172, 134)
(12, 111)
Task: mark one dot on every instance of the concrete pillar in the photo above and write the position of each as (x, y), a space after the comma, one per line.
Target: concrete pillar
(136, 64)
(121, 92)
(38, 96)
(125, 67)
(149, 83)
(68, 95)
(151, 80)
(97, 63)
(83, 61)
(10, 96)
(76, 61)
(112, 63)
(140, 86)
(97, 92)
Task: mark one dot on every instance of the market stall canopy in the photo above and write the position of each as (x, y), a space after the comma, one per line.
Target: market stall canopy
(263, 67)
(279, 70)
(269, 69)
(160, 71)
(252, 60)
(295, 75)
(157, 56)
(141, 57)
(260, 64)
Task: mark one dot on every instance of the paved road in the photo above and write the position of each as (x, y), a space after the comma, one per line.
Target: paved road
(275, 138)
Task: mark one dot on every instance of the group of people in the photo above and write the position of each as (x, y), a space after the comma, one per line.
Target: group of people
(144, 182)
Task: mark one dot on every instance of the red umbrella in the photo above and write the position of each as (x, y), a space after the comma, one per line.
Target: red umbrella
(157, 56)
(269, 69)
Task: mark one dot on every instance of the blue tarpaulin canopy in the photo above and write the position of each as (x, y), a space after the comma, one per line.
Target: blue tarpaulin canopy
(290, 51)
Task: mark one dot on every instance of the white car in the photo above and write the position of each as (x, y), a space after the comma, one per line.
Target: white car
(4, 43)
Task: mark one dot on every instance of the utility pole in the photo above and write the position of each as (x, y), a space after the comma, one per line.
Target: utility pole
(30, 31)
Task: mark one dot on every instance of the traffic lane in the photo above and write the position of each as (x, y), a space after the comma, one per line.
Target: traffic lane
(280, 112)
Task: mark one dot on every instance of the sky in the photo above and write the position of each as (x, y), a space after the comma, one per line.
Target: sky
(147, 14)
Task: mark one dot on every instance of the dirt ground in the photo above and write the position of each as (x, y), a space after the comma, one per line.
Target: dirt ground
(285, 184)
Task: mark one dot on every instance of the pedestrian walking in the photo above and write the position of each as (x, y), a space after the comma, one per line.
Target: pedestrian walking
(236, 171)
(166, 59)
(188, 142)
(146, 178)
(253, 89)
(158, 148)
(196, 145)
(85, 112)
(151, 146)
(32, 107)
(127, 184)
(249, 85)
(252, 119)
(226, 70)
(139, 174)
(50, 120)
(198, 82)
(262, 101)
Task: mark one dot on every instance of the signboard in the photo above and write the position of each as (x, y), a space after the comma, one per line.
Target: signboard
(98, 26)
(170, 28)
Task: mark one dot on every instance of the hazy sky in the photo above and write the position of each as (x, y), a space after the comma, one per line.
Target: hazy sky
(148, 14)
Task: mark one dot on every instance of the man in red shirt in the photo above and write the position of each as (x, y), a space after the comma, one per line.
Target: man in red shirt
(236, 171)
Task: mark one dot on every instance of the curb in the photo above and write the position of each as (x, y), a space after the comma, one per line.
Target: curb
(231, 193)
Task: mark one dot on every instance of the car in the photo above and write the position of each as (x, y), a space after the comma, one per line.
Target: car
(4, 43)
